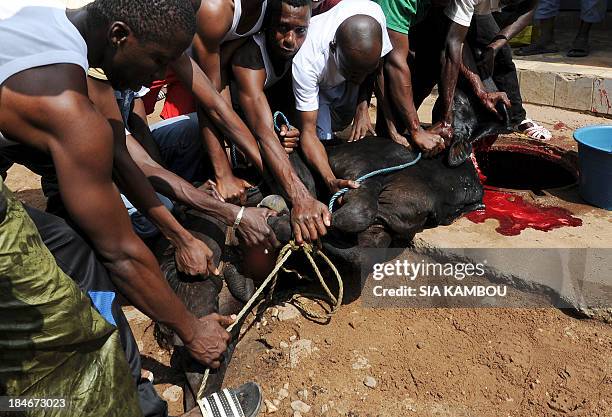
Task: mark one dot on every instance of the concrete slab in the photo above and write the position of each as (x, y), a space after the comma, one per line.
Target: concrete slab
(570, 83)
(595, 231)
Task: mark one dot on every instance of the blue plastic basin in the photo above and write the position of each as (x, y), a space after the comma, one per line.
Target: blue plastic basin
(595, 164)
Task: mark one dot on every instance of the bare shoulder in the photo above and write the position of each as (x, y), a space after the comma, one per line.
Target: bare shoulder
(248, 56)
(214, 19)
(46, 105)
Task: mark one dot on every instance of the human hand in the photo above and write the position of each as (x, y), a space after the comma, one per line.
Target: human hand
(194, 257)
(362, 125)
(290, 138)
(233, 189)
(210, 339)
(210, 187)
(429, 141)
(490, 100)
(309, 220)
(254, 229)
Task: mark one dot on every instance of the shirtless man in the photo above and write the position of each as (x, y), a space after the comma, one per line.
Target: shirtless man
(44, 104)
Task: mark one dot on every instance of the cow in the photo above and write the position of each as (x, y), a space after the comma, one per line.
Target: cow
(386, 210)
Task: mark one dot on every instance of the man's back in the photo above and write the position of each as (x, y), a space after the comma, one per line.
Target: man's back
(312, 66)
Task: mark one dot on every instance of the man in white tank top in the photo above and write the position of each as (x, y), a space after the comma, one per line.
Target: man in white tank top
(259, 64)
(309, 217)
(45, 107)
(228, 23)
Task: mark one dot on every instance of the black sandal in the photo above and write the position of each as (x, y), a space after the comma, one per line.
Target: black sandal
(244, 401)
(536, 49)
(579, 49)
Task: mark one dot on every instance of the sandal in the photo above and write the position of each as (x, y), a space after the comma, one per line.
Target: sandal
(535, 49)
(579, 49)
(533, 130)
(244, 401)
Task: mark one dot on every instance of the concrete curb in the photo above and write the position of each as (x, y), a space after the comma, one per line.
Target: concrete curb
(573, 87)
(555, 279)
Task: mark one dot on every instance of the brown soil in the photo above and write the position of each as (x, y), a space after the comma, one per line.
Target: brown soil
(445, 362)
(425, 362)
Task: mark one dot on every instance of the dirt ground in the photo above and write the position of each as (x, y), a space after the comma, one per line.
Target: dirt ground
(408, 362)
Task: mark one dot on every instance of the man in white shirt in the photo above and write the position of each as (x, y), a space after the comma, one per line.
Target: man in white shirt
(333, 78)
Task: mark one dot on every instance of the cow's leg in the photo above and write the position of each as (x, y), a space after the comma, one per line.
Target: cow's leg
(201, 296)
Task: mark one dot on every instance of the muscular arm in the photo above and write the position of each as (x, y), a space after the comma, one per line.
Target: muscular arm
(170, 184)
(218, 110)
(213, 21)
(255, 105)
(399, 81)
(62, 114)
(311, 146)
(309, 217)
(139, 128)
(521, 22)
(452, 65)
(132, 180)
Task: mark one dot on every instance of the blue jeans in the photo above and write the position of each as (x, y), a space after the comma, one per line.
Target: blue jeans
(337, 108)
(591, 11)
(180, 146)
(141, 224)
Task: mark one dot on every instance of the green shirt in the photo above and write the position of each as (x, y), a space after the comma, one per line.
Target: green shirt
(402, 14)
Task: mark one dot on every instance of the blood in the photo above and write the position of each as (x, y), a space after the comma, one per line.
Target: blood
(482, 148)
(515, 214)
(559, 126)
(482, 177)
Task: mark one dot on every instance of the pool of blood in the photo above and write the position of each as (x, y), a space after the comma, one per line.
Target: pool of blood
(514, 214)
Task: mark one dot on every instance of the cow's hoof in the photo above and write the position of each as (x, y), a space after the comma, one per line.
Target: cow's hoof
(241, 287)
(276, 203)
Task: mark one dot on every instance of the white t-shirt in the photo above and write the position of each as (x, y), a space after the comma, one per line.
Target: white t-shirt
(313, 66)
(461, 11)
(35, 33)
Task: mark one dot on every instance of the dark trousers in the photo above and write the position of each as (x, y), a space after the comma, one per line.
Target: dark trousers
(74, 256)
(41, 164)
(482, 31)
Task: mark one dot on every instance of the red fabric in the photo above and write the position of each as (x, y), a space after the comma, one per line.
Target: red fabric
(179, 99)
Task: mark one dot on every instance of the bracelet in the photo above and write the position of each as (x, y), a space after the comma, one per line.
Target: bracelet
(238, 218)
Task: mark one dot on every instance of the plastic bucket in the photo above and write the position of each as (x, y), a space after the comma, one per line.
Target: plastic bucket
(595, 164)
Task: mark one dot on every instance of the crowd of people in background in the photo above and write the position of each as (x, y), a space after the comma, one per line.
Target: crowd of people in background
(76, 87)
